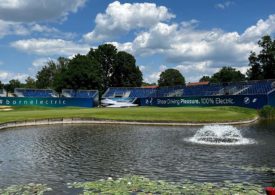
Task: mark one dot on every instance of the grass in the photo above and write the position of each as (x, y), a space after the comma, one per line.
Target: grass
(148, 114)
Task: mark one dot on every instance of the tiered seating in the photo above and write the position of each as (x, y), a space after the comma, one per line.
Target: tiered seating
(3, 93)
(43, 93)
(134, 92)
(259, 87)
(234, 88)
(86, 93)
(70, 93)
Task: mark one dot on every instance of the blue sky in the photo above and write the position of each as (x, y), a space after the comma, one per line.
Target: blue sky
(197, 37)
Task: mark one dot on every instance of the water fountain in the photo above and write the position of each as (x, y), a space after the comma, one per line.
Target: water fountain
(220, 135)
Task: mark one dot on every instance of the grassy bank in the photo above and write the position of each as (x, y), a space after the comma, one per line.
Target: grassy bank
(180, 114)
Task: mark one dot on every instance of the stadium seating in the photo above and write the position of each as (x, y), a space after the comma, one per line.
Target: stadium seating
(39, 93)
(134, 92)
(212, 89)
(70, 93)
(3, 93)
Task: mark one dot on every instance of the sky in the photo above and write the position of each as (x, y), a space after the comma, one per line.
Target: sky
(196, 37)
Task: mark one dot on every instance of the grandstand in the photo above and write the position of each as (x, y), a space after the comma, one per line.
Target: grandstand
(81, 93)
(35, 93)
(211, 89)
(3, 93)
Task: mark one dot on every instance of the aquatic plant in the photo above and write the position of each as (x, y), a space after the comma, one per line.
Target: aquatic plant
(140, 185)
(28, 189)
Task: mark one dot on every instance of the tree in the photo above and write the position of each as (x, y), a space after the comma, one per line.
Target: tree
(105, 55)
(227, 74)
(45, 77)
(14, 83)
(1, 85)
(30, 83)
(256, 71)
(117, 68)
(50, 76)
(205, 78)
(125, 71)
(262, 66)
(82, 73)
(171, 77)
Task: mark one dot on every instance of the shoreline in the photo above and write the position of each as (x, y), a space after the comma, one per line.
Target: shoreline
(55, 121)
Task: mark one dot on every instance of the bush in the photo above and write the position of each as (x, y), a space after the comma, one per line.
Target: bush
(267, 112)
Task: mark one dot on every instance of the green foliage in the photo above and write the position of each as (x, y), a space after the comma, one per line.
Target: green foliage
(30, 83)
(205, 78)
(101, 68)
(28, 189)
(263, 64)
(1, 85)
(14, 83)
(227, 74)
(141, 185)
(171, 77)
(118, 69)
(267, 112)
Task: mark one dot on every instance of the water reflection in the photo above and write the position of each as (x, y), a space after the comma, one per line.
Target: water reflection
(59, 154)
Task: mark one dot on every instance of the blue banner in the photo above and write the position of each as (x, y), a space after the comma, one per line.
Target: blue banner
(249, 101)
(47, 102)
(271, 98)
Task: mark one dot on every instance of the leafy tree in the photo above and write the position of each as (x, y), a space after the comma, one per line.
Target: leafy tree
(262, 66)
(1, 85)
(14, 83)
(50, 76)
(45, 77)
(171, 77)
(30, 83)
(125, 71)
(117, 68)
(256, 71)
(105, 55)
(205, 78)
(82, 73)
(227, 74)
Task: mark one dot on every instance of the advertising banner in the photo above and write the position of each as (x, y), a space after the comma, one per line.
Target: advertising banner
(249, 101)
(47, 102)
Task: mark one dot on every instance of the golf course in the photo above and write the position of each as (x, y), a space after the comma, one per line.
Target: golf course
(138, 114)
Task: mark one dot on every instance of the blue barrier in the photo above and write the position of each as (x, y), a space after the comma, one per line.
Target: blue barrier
(249, 101)
(47, 102)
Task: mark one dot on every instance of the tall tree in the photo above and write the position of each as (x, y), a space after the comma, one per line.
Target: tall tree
(227, 74)
(171, 77)
(256, 71)
(50, 76)
(30, 83)
(1, 85)
(125, 71)
(118, 68)
(105, 55)
(14, 83)
(205, 78)
(262, 66)
(82, 73)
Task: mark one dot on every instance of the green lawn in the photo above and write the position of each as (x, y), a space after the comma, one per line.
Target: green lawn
(156, 114)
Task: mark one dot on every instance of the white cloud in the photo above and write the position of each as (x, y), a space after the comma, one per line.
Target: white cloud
(224, 5)
(263, 27)
(22, 29)
(120, 18)
(37, 10)
(48, 47)
(5, 76)
(187, 48)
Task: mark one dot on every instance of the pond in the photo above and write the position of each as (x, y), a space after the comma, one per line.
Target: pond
(58, 154)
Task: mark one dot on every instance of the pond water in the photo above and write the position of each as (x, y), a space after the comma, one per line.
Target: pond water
(58, 154)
